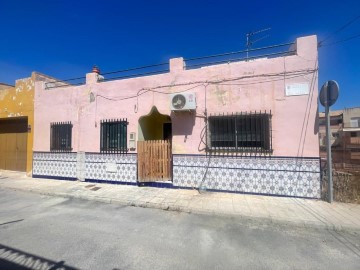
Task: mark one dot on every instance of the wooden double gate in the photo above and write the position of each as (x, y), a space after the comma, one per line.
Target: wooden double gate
(154, 160)
(13, 144)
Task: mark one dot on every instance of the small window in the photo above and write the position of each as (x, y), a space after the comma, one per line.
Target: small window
(353, 134)
(113, 136)
(60, 137)
(355, 122)
(241, 132)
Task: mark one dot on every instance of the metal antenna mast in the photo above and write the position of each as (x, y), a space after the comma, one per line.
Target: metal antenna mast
(250, 41)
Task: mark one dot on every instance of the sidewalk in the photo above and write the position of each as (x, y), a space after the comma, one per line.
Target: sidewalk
(263, 209)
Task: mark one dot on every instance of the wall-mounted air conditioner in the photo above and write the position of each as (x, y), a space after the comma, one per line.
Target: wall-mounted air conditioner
(183, 102)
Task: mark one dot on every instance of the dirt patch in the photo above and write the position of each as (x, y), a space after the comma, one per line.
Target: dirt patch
(346, 186)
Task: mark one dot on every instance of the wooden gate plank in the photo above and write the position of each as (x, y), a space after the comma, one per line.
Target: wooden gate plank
(139, 159)
(154, 160)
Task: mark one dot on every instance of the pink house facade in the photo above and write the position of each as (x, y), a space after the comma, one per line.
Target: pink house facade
(241, 126)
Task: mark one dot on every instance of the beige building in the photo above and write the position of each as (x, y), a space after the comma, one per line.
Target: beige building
(345, 135)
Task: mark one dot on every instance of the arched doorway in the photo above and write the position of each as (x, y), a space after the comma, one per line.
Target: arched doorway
(155, 126)
(154, 147)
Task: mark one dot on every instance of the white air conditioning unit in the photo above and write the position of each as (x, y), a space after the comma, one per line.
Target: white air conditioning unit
(183, 102)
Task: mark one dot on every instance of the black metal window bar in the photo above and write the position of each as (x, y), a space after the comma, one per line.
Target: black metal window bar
(60, 136)
(240, 132)
(113, 136)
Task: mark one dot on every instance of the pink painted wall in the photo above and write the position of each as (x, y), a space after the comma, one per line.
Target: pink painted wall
(294, 121)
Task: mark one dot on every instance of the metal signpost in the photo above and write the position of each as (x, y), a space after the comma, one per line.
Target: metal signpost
(328, 96)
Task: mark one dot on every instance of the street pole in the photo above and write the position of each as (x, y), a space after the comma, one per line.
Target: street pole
(328, 148)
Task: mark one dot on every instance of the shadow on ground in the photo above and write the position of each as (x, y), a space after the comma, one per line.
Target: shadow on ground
(15, 259)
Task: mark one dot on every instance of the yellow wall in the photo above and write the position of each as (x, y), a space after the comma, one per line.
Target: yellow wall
(18, 101)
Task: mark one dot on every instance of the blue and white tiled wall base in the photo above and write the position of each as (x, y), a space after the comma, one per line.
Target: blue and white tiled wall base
(66, 166)
(295, 177)
(54, 165)
(125, 167)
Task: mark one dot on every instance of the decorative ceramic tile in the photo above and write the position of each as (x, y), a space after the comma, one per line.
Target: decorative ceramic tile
(124, 167)
(298, 177)
(54, 164)
(71, 165)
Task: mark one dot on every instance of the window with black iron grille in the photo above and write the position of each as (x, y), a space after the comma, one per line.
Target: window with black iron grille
(60, 136)
(244, 132)
(113, 136)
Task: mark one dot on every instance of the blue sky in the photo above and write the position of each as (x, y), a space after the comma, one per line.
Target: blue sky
(65, 39)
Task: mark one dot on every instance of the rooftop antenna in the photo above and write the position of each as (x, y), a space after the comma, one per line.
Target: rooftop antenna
(250, 41)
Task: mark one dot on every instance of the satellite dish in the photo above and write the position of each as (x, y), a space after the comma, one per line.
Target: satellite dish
(329, 93)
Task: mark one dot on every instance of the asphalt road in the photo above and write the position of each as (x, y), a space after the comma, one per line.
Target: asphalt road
(56, 233)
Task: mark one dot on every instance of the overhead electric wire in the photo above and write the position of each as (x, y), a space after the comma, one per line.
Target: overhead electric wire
(307, 112)
(144, 92)
(198, 83)
(239, 59)
(339, 30)
(341, 41)
(238, 52)
(137, 75)
(136, 68)
(189, 66)
(274, 80)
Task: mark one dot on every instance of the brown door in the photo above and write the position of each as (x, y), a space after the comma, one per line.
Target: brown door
(167, 131)
(13, 144)
(154, 161)
(2, 150)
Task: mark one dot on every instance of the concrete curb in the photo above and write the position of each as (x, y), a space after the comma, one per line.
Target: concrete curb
(258, 220)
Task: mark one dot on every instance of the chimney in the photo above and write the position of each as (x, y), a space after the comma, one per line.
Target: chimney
(94, 76)
(96, 69)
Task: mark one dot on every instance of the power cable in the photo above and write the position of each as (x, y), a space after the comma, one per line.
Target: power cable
(274, 80)
(341, 41)
(136, 68)
(199, 83)
(307, 112)
(339, 30)
(238, 52)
